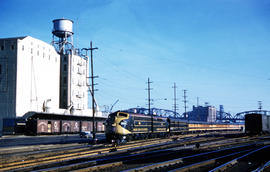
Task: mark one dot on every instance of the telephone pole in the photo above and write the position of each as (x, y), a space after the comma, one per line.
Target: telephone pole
(149, 104)
(260, 105)
(92, 90)
(185, 103)
(174, 99)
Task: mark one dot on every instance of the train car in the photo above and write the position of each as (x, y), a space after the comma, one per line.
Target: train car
(257, 123)
(45, 123)
(194, 126)
(122, 125)
(177, 126)
(126, 126)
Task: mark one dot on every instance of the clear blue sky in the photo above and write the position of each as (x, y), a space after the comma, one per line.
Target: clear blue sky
(219, 50)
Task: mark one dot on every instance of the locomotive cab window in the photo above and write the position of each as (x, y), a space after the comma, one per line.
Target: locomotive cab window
(122, 114)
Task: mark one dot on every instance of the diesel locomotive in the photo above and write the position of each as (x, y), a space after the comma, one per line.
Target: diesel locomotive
(127, 126)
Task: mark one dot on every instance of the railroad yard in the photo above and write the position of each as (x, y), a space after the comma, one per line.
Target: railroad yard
(191, 152)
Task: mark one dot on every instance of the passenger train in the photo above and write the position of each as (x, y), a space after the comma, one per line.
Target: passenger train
(123, 125)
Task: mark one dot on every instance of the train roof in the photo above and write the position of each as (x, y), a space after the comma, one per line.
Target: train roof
(55, 116)
(178, 119)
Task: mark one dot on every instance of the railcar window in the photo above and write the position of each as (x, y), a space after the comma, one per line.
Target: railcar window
(142, 118)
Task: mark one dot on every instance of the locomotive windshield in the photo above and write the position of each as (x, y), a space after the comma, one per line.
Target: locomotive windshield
(122, 114)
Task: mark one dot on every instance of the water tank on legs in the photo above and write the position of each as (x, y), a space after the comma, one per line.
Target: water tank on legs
(62, 28)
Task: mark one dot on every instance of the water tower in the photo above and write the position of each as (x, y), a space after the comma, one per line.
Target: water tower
(62, 29)
(63, 43)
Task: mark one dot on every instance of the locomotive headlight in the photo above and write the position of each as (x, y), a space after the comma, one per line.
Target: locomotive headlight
(123, 123)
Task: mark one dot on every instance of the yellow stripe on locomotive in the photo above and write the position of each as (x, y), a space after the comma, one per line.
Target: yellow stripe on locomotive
(120, 120)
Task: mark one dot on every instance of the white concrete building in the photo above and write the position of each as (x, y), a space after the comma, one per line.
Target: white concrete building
(74, 85)
(29, 77)
(31, 80)
(74, 89)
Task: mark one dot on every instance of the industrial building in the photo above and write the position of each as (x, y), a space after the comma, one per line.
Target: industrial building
(200, 113)
(45, 78)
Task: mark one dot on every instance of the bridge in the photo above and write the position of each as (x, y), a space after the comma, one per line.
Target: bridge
(221, 116)
(157, 112)
(239, 116)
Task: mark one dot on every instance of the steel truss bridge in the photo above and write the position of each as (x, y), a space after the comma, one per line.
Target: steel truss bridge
(221, 116)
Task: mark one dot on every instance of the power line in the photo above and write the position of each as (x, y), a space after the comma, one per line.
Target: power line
(123, 71)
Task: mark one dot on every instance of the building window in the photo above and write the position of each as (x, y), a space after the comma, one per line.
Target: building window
(31, 50)
(12, 47)
(2, 47)
(38, 53)
(23, 47)
(0, 69)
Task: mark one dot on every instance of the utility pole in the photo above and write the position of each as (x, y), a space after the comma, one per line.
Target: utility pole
(149, 104)
(174, 105)
(185, 103)
(92, 91)
(260, 105)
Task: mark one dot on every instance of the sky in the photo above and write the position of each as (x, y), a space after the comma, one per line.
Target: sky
(217, 50)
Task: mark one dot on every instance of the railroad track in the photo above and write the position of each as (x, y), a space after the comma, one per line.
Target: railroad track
(255, 160)
(102, 157)
(106, 157)
(82, 154)
(69, 155)
(11, 154)
(200, 162)
(23, 153)
(247, 157)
